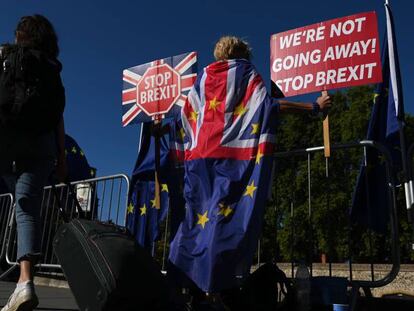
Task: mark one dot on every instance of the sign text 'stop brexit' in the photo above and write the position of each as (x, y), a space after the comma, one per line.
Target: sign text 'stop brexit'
(157, 89)
(337, 53)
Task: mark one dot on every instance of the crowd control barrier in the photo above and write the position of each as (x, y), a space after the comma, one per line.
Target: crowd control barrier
(104, 199)
(297, 214)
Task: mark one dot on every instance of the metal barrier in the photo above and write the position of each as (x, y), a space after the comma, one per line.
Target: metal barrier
(6, 207)
(410, 163)
(395, 256)
(104, 199)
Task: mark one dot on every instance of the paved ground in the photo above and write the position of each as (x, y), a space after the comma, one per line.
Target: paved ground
(50, 298)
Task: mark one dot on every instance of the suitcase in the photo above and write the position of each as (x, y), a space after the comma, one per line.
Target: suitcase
(106, 269)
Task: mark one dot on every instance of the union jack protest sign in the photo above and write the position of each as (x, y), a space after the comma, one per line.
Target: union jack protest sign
(157, 89)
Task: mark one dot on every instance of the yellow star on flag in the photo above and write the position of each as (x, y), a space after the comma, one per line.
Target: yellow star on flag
(73, 149)
(255, 128)
(240, 110)
(193, 116)
(250, 189)
(213, 104)
(224, 210)
(81, 153)
(164, 187)
(202, 219)
(182, 133)
(375, 97)
(259, 156)
(130, 208)
(143, 210)
(154, 203)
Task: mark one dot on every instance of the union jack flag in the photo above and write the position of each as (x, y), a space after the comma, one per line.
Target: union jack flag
(228, 136)
(185, 65)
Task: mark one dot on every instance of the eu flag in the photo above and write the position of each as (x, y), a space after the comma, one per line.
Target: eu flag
(143, 216)
(370, 201)
(78, 166)
(229, 137)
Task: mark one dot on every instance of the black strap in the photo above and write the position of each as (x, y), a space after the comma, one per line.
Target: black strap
(72, 194)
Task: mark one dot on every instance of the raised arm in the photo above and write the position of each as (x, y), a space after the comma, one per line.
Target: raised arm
(321, 104)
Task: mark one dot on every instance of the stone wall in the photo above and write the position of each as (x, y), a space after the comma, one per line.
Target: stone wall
(403, 283)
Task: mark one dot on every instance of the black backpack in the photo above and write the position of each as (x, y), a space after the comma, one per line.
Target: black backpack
(32, 97)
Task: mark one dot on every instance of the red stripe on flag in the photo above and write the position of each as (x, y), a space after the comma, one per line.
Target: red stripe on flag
(251, 87)
(130, 95)
(215, 92)
(188, 81)
(130, 80)
(185, 61)
(230, 152)
(189, 113)
(126, 121)
(176, 155)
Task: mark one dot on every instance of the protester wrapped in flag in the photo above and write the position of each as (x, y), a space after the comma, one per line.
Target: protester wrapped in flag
(143, 216)
(229, 135)
(370, 198)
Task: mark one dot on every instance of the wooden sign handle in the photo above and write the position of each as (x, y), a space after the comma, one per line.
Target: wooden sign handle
(157, 124)
(326, 140)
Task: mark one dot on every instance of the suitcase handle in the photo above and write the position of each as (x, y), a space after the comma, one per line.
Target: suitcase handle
(72, 194)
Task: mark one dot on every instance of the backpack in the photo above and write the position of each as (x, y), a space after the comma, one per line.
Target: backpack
(32, 97)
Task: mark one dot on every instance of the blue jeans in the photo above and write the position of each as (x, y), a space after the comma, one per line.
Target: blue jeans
(25, 167)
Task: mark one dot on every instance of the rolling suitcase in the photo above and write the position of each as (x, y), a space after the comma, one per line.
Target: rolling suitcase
(106, 269)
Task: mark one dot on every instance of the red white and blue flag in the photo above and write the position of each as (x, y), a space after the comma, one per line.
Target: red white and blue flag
(157, 89)
(228, 138)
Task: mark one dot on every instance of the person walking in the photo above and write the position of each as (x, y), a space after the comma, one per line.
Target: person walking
(32, 101)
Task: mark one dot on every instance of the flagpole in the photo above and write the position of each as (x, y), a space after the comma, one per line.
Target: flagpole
(157, 133)
(397, 94)
(398, 98)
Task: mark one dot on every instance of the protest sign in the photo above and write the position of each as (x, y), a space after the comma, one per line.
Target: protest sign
(341, 52)
(157, 89)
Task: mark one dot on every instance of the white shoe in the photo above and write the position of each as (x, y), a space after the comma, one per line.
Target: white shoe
(23, 299)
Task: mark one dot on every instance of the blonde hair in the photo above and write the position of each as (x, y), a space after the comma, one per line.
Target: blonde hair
(230, 47)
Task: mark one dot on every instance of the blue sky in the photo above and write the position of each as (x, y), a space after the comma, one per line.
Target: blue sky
(98, 39)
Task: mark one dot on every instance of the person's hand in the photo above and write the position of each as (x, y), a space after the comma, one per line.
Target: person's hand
(324, 101)
(61, 169)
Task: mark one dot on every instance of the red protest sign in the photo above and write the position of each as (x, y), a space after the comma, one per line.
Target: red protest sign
(341, 52)
(157, 89)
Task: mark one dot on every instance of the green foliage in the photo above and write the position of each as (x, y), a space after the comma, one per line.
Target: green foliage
(292, 230)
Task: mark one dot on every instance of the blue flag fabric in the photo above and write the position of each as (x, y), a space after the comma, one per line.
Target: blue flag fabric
(229, 137)
(370, 199)
(143, 218)
(78, 166)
